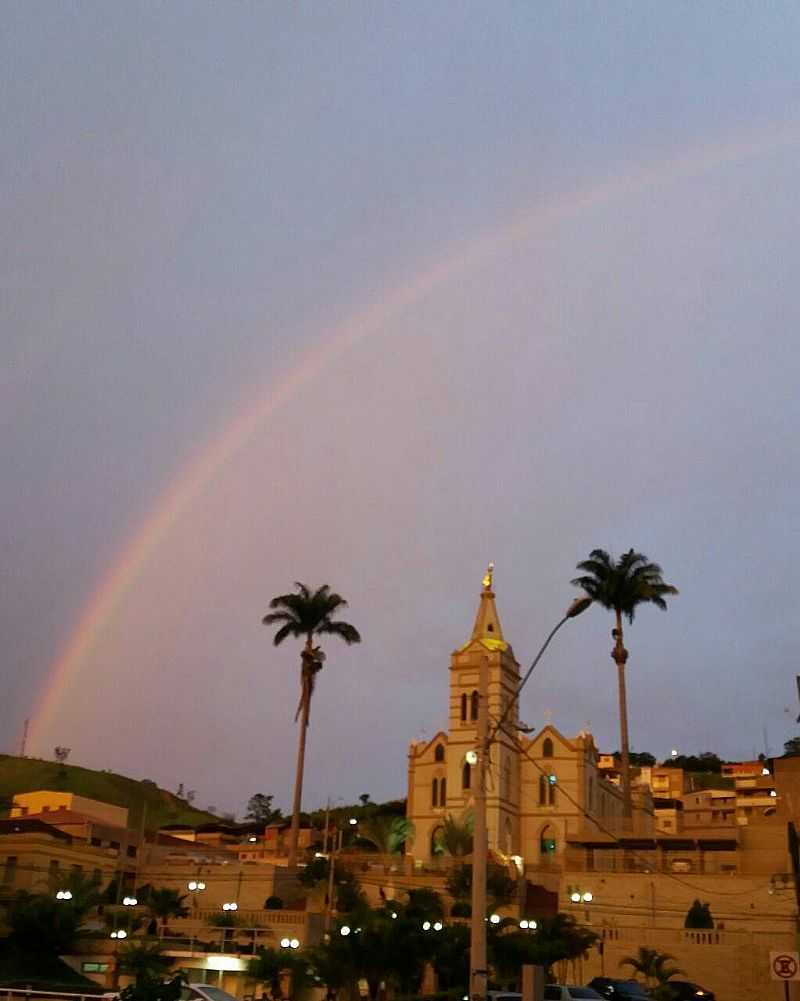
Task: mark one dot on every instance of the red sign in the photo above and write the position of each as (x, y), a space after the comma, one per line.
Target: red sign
(784, 965)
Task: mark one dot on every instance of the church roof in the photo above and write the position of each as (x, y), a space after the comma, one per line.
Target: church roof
(487, 629)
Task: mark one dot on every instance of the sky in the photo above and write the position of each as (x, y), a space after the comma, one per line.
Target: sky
(370, 294)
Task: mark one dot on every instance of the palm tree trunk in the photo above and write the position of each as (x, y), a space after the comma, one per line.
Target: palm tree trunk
(305, 706)
(620, 655)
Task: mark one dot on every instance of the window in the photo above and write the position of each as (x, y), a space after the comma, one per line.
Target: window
(10, 873)
(547, 841)
(474, 705)
(466, 776)
(94, 967)
(435, 793)
(490, 628)
(54, 867)
(443, 792)
(438, 754)
(543, 791)
(437, 847)
(131, 850)
(547, 748)
(463, 707)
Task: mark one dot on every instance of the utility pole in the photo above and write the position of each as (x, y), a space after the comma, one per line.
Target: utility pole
(477, 952)
(24, 743)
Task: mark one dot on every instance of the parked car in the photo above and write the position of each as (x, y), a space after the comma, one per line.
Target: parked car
(561, 992)
(619, 990)
(685, 990)
(205, 992)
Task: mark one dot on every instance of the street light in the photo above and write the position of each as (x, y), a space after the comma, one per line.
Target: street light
(64, 895)
(344, 930)
(478, 964)
(232, 906)
(119, 934)
(129, 901)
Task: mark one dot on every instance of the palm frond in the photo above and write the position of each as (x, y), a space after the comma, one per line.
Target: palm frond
(341, 629)
(290, 629)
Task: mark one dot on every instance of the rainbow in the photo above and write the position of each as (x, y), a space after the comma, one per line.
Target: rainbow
(201, 468)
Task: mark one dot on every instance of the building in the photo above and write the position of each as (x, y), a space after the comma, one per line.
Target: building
(542, 789)
(554, 807)
(28, 804)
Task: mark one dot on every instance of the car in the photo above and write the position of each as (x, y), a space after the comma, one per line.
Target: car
(619, 990)
(566, 992)
(685, 990)
(205, 992)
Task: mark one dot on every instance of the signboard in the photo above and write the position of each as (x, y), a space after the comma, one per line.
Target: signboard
(784, 966)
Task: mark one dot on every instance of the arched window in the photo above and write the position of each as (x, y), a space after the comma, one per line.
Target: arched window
(438, 754)
(443, 792)
(435, 793)
(551, 793)
(543, 790)
(464, 707)
(474, 705)
(547, 748)
(547, 841)
(466, 776)
(437, 845)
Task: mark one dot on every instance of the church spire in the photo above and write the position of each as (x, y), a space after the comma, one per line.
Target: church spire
(487, 621)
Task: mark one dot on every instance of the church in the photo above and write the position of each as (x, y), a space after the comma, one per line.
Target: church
(541, 790)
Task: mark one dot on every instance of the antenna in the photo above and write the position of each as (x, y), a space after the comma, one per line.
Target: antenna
(766, 742)
(24, 741)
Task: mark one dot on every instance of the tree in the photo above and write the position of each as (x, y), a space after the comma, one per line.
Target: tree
(500, 887)
(424, 904)
(165, 903)
(388, 834)
(556, 939)
(652, 966)
(621, 586)
(642, 759)
(260, 809)
(154, 990)
(455, 837)
(145, 962)
(42, 926)
(307, 614)
(792, 747)
(699, 916)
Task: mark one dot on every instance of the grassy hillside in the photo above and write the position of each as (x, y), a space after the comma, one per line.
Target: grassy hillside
(29, 774)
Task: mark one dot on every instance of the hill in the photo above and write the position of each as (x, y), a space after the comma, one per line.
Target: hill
(29, 774)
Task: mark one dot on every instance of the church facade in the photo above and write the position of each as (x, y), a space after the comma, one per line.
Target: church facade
(541, 789)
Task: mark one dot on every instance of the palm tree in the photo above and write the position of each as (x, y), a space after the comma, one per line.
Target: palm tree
(456, 835)
(307, 614)
(165, 903)
(621, 586)
(652, 965)
(145, 962)
(387, 833)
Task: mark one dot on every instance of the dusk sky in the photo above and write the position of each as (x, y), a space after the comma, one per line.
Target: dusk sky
(369, 294)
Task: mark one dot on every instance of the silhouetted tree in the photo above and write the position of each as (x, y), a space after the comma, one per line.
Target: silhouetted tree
(621, 586)
(307, 614)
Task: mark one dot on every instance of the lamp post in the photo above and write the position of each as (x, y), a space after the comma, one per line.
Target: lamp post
(478, 966)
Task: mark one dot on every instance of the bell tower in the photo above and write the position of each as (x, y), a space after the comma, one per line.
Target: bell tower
(488, 644)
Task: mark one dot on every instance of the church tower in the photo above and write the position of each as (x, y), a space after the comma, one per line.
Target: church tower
(503, 779)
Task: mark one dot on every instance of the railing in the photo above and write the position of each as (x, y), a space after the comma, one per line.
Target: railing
(11, 993)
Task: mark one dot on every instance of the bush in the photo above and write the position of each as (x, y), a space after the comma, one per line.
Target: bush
(461, 909)
(273, 904)
(699, 916)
